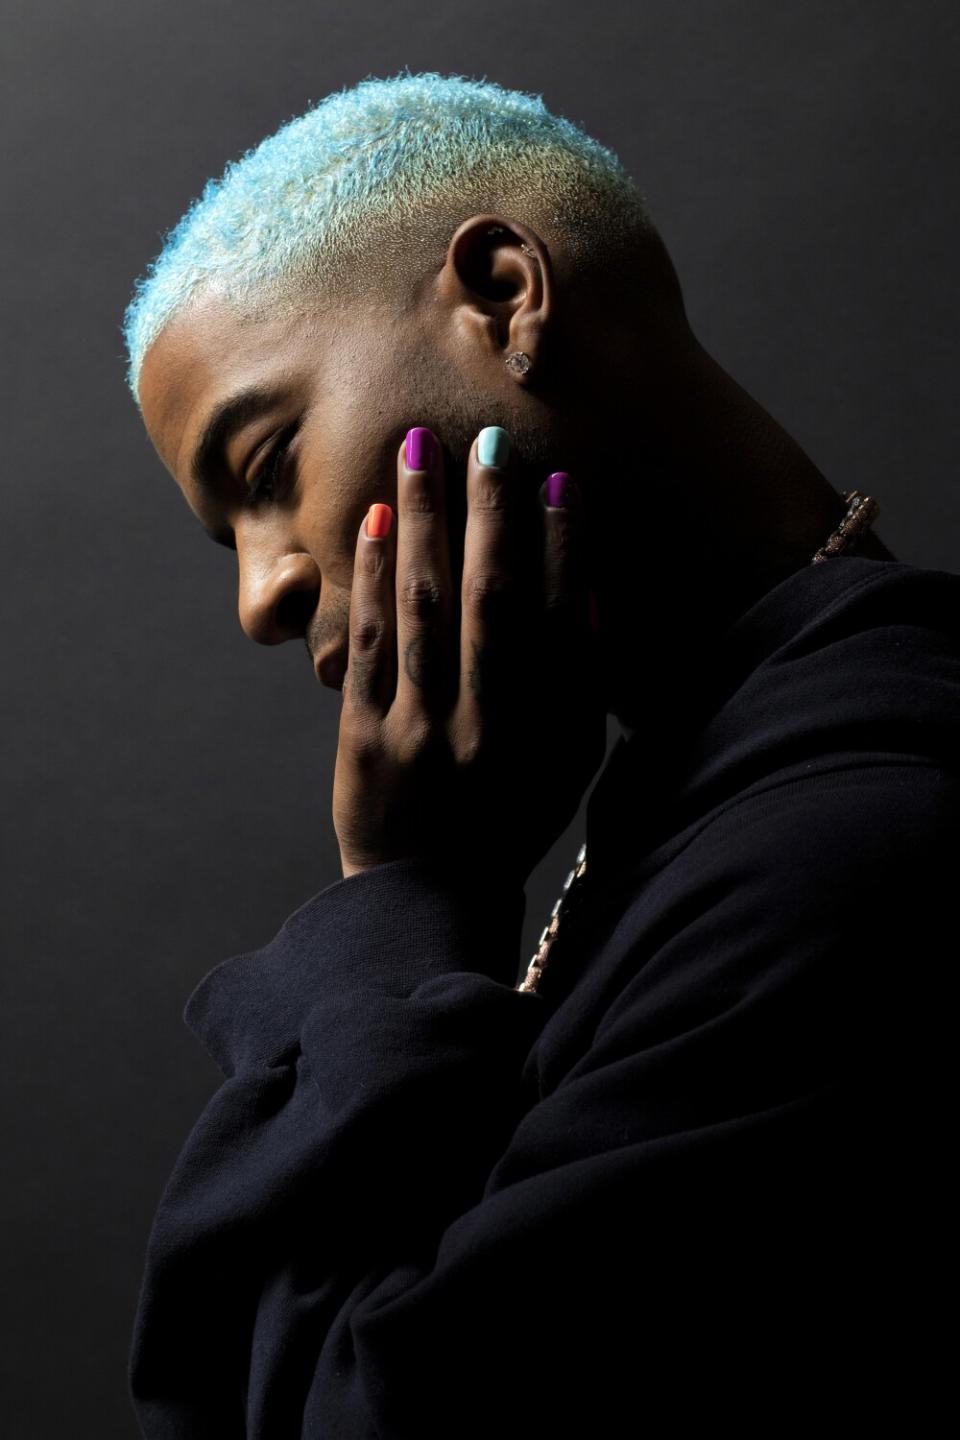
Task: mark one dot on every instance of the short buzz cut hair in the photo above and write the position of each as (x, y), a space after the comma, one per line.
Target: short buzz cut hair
(367, 186)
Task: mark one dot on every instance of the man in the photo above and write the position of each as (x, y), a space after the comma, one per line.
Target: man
(421, 358)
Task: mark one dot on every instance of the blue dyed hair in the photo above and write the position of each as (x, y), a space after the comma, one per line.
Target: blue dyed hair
(382, 173)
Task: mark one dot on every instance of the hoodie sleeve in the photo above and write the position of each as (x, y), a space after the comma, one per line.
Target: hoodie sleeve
(388, 1222)
(372, 1056)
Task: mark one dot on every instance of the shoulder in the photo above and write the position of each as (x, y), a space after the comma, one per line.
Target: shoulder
(836, 854)
(799, 923)
(820, 829)
(827, 818)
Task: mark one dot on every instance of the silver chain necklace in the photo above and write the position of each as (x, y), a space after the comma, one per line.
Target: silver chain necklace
(862, 510)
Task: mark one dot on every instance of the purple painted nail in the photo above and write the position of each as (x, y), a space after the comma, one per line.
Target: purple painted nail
(420, 448)
(558, 489)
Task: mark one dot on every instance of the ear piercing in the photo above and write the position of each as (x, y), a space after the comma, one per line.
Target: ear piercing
(502, 230)
(519, 362)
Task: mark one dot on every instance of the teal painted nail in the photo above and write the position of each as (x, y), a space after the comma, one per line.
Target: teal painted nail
(493, 446)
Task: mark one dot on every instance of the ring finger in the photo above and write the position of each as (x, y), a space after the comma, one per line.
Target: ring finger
(491, 600)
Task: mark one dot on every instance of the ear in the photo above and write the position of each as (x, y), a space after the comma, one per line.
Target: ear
(497, 287)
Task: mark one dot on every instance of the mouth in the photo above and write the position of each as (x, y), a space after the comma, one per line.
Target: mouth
(331, 667)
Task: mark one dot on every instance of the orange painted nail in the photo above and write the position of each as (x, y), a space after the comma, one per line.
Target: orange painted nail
(379, 520)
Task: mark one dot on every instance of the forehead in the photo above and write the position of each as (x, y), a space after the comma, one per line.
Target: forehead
(207, 351)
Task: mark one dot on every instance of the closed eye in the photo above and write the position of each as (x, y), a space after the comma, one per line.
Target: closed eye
(266, 480)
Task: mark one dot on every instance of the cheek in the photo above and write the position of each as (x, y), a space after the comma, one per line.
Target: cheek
(356, 481)
(325, 508)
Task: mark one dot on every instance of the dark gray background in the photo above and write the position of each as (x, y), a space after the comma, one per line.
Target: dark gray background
(166, 783)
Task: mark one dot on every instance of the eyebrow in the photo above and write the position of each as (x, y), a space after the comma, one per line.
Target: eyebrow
(209, 457)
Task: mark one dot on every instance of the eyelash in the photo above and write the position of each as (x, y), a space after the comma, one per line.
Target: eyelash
(265, 480)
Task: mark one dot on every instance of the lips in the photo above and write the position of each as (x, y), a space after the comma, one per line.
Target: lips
(331, 666)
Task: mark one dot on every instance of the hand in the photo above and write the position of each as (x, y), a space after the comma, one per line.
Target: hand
(471, 724)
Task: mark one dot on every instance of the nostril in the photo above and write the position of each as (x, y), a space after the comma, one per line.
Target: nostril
(294, 611)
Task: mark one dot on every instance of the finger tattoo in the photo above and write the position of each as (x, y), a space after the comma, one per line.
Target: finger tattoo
(414, 659)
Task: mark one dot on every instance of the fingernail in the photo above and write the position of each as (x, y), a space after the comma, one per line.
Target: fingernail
(380, 517)
(420, 448)
(558, 489)
(493, 446)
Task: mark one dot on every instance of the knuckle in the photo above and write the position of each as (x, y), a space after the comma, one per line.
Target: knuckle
(372, 559)
(489, 494)
(560, 612)
(367, 633)
(469, 751)
(562, 544)
(563, 539)
(490, 595)
(415, 741)
(421, 596)
(420, 495)
(365, 747)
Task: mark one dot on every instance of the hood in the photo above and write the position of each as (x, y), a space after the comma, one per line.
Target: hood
(850, 662)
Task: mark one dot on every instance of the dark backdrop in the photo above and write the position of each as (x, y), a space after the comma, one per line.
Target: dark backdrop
(166, 783)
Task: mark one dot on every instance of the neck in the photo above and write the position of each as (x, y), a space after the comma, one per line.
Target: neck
(721, 505)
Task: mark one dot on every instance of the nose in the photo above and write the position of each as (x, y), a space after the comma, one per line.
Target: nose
(278, 596)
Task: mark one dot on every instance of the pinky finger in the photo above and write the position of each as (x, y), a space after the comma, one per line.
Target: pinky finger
(564, 558)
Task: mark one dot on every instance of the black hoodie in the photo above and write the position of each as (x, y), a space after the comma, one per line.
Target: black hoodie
(695, 1178)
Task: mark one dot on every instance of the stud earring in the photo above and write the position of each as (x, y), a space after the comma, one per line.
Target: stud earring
(519, 362)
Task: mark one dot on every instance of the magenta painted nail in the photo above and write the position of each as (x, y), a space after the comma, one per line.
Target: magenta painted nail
(420, 449)
(558, 489)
